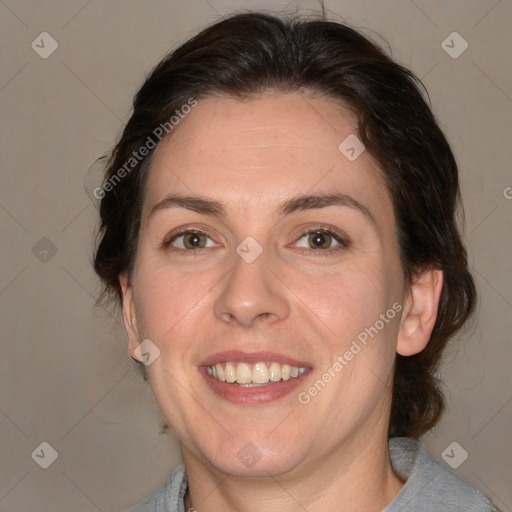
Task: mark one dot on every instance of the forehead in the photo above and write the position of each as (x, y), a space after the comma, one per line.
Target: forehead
(262, 151)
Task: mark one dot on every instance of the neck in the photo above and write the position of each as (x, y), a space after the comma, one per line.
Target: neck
(356, 476)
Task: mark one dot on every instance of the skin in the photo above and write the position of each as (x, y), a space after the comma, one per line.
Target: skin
(305, 303)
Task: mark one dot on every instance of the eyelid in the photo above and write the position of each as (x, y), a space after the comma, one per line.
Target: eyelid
(185, 230)
(342, 238)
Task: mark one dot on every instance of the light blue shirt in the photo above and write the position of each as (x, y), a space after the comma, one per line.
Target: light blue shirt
(429, 486)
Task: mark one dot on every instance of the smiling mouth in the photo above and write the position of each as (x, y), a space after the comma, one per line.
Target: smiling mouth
(254, 375)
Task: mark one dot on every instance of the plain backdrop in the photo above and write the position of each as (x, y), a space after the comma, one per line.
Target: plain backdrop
(65, 376)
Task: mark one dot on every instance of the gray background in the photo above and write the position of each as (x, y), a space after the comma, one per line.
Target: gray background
(65, 376)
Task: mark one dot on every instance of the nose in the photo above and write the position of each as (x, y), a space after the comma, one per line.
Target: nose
(252, 294)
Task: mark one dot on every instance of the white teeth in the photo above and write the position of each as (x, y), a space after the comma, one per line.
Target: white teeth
(220, 372)
(243, 373)
(274, 372)
(261, 373)
(230, 372)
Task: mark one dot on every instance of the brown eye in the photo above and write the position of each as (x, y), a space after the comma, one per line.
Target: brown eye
(320, 240)
(190, 240)
(324, 239)
(194, 241)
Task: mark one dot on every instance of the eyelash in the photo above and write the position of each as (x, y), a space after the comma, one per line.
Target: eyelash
(167, 243)
(342, 240)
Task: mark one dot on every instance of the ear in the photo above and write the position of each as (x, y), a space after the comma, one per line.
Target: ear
(420, 312)
(129, 317)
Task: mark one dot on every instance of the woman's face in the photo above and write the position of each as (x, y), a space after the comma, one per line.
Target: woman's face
(267, 250)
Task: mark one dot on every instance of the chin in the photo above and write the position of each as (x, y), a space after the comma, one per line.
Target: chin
(260, 459)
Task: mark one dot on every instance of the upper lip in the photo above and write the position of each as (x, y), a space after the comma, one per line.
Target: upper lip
(251, 358)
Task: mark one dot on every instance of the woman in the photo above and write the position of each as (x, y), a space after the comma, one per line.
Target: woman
(279, 226)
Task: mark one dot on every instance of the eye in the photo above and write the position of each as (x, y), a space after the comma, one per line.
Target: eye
(321, 239)
(190, 240)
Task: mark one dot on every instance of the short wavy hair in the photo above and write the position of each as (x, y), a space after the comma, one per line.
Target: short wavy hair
(247, 54)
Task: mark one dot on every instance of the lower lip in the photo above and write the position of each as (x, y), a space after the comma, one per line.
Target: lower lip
(252, 396)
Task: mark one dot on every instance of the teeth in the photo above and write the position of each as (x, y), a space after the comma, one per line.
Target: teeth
(274, 372)
(220, 372)
(243, 373)
(260, 373)
(230, 372)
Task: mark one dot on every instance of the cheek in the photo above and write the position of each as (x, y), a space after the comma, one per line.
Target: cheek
(347, 299)
(169, 301)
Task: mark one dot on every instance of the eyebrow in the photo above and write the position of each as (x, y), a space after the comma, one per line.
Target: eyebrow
(211, 207)
(313, 202)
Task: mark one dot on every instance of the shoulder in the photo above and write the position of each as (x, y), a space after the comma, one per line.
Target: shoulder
(169, 498)
(429, 486)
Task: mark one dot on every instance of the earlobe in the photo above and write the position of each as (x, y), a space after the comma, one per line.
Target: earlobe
(129, 317)
(420, 312)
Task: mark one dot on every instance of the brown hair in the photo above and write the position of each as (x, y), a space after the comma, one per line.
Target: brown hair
(246, 54)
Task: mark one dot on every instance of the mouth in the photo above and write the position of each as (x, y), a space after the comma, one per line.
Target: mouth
(252, 378)
(259, 374)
